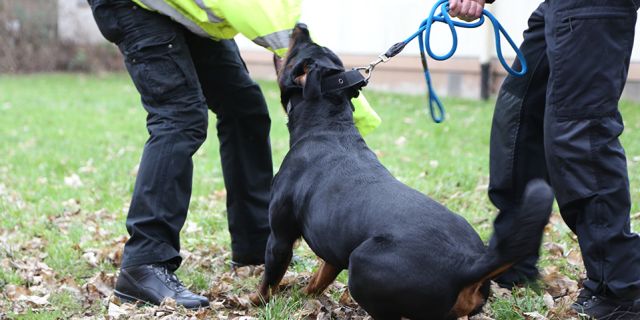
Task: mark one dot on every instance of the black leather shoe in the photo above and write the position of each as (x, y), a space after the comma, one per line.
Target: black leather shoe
(605, 308)
(154, 283)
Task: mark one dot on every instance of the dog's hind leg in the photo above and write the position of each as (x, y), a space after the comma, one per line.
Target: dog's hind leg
(373, 281)
(320, 280)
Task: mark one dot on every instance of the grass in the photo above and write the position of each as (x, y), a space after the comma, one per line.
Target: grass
(70, 144)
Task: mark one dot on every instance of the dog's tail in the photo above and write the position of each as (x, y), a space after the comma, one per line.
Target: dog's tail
(520, 240)
(510, 245)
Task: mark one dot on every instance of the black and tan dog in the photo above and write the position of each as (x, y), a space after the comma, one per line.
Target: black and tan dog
(407, 255)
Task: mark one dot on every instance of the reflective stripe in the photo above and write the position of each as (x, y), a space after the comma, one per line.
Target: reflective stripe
(212, 16)
(275, 41)
(165, 8)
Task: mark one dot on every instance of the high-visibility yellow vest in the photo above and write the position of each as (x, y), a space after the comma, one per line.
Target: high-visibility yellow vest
(267, 23)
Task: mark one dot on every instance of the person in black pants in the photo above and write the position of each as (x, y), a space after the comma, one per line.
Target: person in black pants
(561, 122)
(179, 75)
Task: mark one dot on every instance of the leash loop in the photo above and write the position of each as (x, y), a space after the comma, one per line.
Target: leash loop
(423, 34)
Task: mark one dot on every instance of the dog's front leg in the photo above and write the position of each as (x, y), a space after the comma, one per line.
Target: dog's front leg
(320, 280)
(277, 259)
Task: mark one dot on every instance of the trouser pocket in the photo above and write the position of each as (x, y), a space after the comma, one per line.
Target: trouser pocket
(156, 67)
(591, 49)
(106, 14)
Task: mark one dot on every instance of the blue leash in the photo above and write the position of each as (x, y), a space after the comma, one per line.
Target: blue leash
(424, 35)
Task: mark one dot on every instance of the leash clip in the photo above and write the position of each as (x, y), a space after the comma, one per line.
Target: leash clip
(368, 70)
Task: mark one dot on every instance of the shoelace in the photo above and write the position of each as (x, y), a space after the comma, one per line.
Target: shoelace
(588, 301)
(169, 278)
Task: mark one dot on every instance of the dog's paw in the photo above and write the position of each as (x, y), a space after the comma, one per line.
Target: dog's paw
(258, 299)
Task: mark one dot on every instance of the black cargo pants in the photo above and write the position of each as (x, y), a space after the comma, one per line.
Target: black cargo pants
(561, 122)
(179, 74)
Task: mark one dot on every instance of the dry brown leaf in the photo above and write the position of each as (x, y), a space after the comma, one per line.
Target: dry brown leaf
(14, 292)
(534, 316)
(91, 258)
(220, 194)
(88, 167)
(236, 301)
(481, 317)
(311, 307)
(554, 249)
(500, 292)
(115, 311)
(558, 284)
(562, 309)
(73, 181)
(36, 301)
(574, 258)
(99, 286)
(548, 300)
(323, 316)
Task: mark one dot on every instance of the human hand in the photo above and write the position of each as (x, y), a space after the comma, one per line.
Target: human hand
(467, 10)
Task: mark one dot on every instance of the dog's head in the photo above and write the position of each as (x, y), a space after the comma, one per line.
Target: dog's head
(304, 67)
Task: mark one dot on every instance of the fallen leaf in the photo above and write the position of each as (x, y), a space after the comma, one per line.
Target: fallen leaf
(575, 258)
(548, 300)
(401, 141)
(554, 249)
(88, 167)
(534, 316)
(115, 311)
(35, 300)
(73, 181)
(14, 292)
(99, 286)
(91, 258)
(558, 284)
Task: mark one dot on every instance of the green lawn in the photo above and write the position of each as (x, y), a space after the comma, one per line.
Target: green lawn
(70, 145)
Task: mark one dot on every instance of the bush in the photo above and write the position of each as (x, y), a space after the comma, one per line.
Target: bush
(30, 43)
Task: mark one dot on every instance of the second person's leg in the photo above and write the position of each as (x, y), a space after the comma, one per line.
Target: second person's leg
(243, 130)
(589, 48)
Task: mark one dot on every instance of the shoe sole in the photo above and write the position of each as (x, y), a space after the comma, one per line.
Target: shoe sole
(133, 300)
(622, 315)
(617, 315)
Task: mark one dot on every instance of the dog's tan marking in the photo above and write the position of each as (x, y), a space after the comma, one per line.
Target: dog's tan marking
(320, 280)
(470, 298)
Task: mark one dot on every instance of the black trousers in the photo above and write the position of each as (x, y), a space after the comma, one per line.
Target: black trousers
(179, 76)
(561, 122)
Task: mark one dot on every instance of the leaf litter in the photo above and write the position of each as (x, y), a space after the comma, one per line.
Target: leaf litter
(227, 290)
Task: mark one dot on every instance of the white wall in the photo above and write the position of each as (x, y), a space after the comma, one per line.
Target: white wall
(369, 27)
(75, 22)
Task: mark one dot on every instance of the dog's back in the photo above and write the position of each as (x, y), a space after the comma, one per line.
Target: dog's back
(404, 251)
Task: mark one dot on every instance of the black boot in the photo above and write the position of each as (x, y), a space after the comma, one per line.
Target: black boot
(154, 283)
(601, 307)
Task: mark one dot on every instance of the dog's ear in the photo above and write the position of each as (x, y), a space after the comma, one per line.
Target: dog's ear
(311, 81)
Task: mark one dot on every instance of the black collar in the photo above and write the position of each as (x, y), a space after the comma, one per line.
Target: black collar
(336, 82)
(343, 80)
